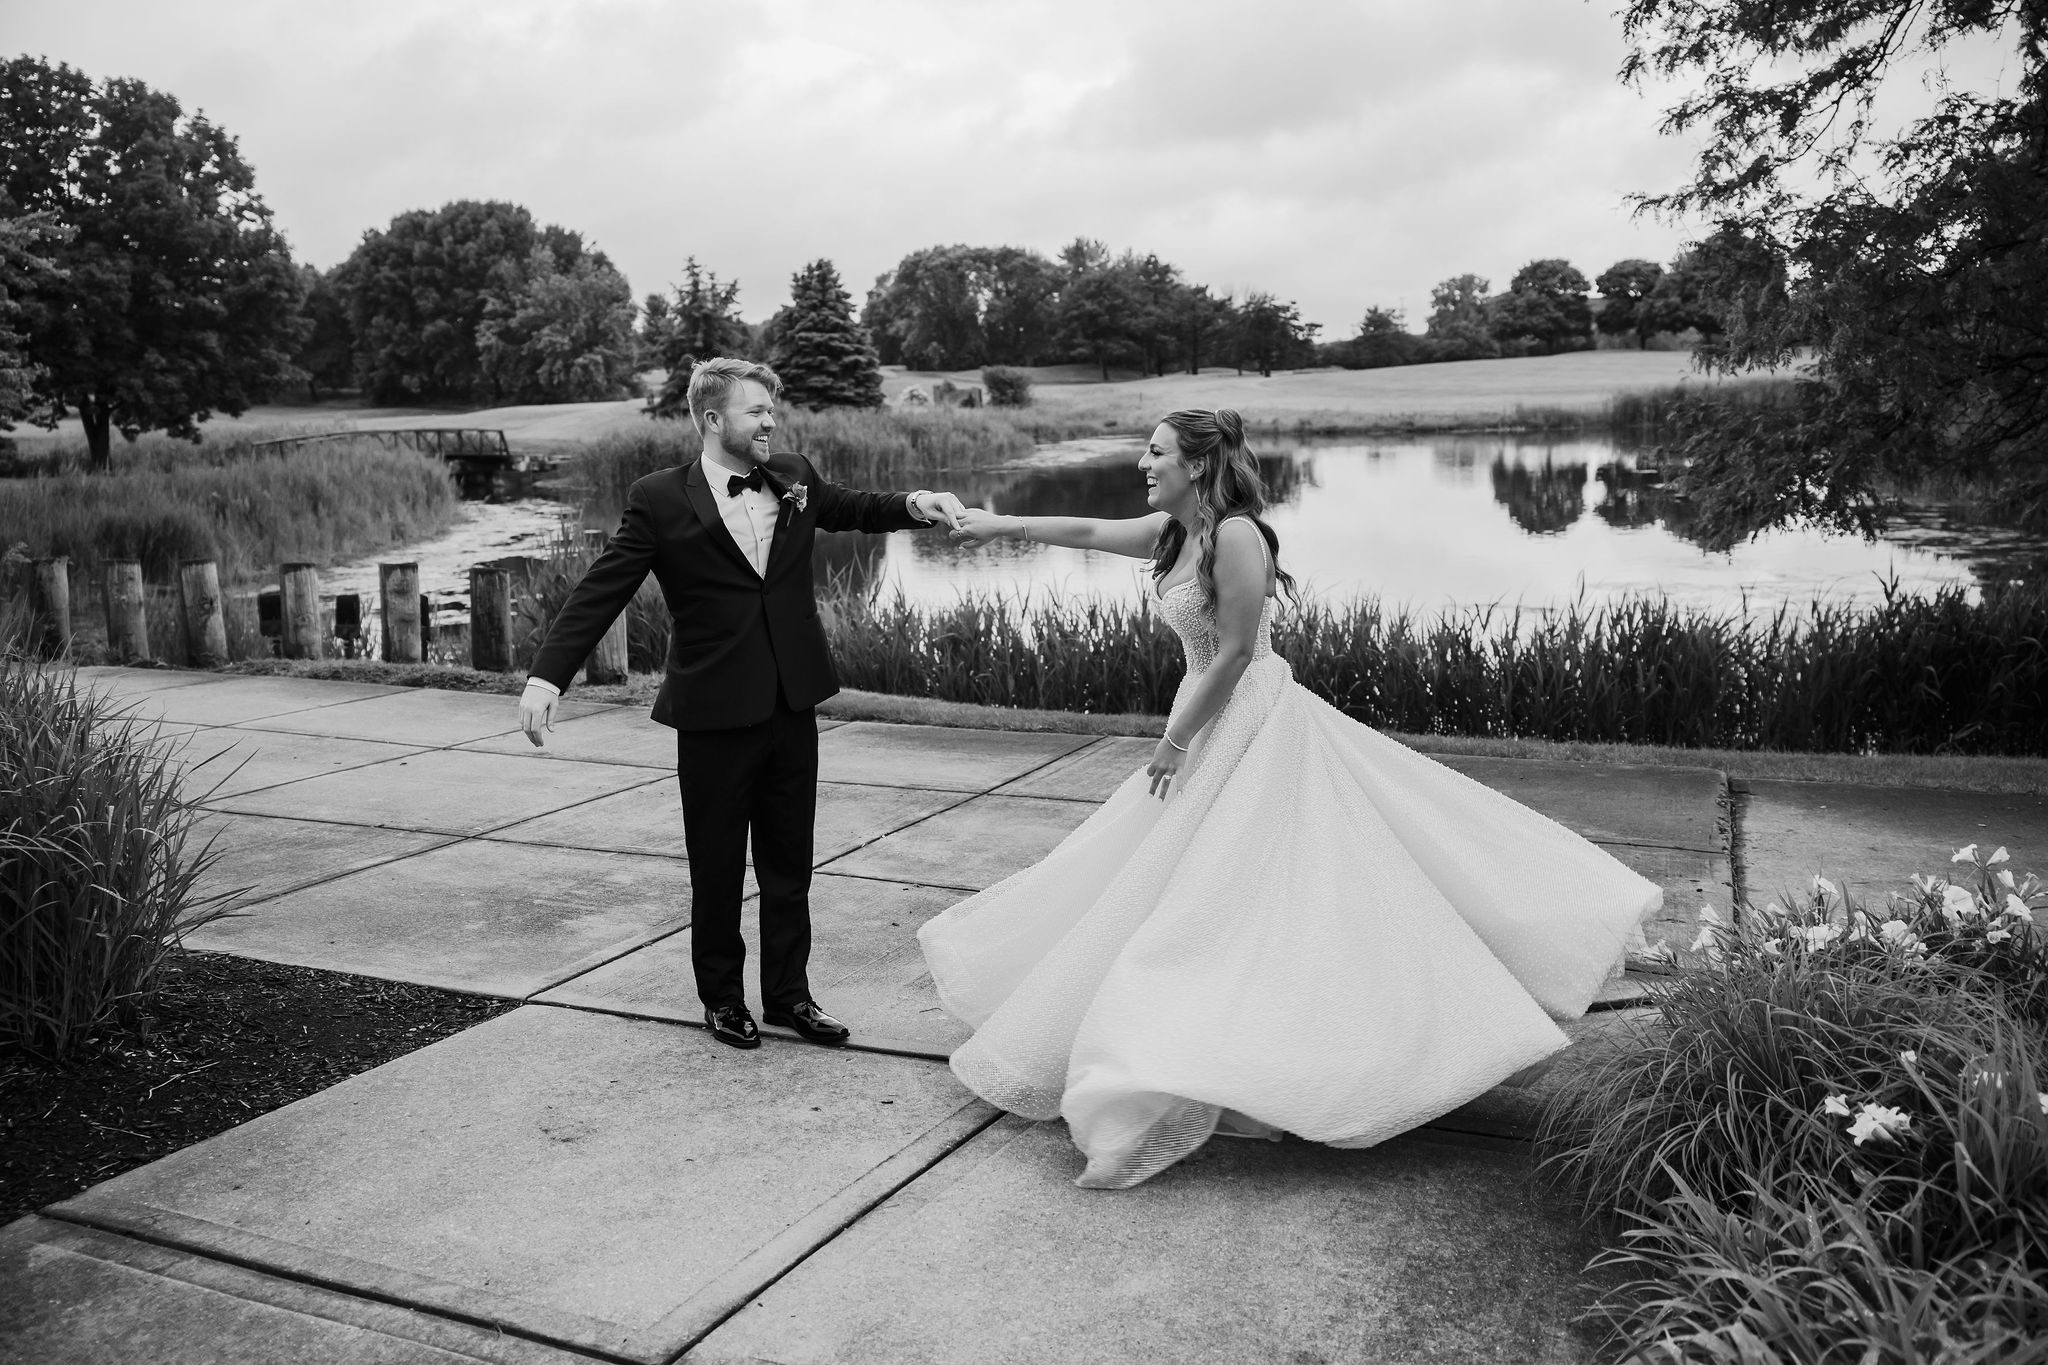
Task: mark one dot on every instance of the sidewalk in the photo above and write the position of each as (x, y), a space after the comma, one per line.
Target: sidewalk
(582, 1178)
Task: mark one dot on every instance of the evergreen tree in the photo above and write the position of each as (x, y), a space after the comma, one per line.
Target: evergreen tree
(822, 353)
(702, 323)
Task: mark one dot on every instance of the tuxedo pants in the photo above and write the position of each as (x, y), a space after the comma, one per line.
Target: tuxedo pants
(760, 780)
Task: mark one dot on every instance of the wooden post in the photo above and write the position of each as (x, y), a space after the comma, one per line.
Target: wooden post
(607, 663)
(299, 608)
(53, 602)
(206, 628)
(490, 619)
(398, 597)
(127, 613)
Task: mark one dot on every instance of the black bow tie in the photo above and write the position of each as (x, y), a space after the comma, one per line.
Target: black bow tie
(755, 478)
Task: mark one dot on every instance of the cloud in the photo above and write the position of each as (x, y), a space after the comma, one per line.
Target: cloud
(1339, 154)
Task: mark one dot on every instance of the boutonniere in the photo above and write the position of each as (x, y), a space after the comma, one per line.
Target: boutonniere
(799, 495)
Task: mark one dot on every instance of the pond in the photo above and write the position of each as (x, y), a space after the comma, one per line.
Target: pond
(1436, 521)
(1426, 521)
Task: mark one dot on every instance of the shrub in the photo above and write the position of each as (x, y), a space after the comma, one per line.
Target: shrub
(247, 507)
(1007, 387)
(1833, 1143)
(97, 865)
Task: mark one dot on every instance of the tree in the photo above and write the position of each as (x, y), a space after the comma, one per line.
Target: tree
(1628, 291)
(418, 291)
(1201, 323)
(1271, 334)
(176, 296)
(703, 322)
(958, 307)
(1911, 267)
(559, 335)
(1458, 326)
(326, 355)
(1097, 305)
(1545, 308)
(823, 355)
(24, 266)
(1383, 339)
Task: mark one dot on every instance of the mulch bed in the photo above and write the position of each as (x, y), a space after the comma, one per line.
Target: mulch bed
(228, 1039)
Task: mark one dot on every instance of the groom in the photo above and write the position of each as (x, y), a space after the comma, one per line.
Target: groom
(728, 537)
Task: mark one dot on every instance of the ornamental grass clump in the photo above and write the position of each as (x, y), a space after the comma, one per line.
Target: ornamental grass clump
(99, 863)
(1832, 1143)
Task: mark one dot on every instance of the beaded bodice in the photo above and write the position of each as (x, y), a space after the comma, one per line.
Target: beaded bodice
(1183, 608)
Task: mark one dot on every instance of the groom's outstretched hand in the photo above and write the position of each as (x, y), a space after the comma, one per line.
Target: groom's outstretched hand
(938, 507)
(537, 709)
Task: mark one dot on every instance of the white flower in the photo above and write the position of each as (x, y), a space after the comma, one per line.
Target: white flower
(2019, 909)
(1820, 936)
(799, 494)
(1925, 885)
(1895, 931)
(2005, 878)
(1956, 903)
(1772, 946)
(1859, 927)
(1705, 943)
(1980, 1076)
(1966, 854)
(1997, 857)
(1998, 936)
(1909, 1056)
(1824, 886)
(2043, 1098)
(1879, 1121)
(1836, 1105)
(1711, 917)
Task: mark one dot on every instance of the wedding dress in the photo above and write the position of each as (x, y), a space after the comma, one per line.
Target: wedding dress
(1319, 931)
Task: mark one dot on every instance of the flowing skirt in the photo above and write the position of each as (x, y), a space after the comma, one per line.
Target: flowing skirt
(1320, 932)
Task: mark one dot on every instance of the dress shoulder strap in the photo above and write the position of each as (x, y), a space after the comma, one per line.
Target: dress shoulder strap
(1265, 550)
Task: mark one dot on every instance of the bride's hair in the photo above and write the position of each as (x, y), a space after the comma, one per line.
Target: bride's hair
(1227, 484)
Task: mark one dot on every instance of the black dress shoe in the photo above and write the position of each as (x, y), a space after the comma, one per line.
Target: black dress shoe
(812, 1022)
(732, 1025)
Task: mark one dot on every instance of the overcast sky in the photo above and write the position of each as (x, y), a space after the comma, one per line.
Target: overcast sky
(1341, 154)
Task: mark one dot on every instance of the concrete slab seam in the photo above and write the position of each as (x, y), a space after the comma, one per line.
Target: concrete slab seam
(212, 1274)
(702, 1314)
(422, 829)
(447, 841)
(878, 1046)
(138, 1228)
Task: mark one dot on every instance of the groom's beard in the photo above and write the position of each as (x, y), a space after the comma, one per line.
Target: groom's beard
(735, 446)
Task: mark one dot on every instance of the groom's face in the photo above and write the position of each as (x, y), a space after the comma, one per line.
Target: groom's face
(746, 421)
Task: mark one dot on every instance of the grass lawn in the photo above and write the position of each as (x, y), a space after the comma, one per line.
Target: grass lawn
(2016, 776)
(1465, 392)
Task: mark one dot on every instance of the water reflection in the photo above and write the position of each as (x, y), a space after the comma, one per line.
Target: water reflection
(1418, 522)
(1543, 500)
(1636, 498)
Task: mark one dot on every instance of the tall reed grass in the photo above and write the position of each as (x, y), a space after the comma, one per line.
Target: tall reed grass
(99, 862)
(223, 499)
(1912, 675)
(1832, 1144)
(1661, 413)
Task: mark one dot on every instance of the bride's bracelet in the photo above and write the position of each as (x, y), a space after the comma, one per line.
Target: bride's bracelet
(1023, 528)
(1167, 735)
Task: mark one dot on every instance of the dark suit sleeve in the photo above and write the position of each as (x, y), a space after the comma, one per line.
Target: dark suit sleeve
(596, 601)
(848, 509)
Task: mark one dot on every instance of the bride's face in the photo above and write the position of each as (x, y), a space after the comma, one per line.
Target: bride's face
(1169, 486)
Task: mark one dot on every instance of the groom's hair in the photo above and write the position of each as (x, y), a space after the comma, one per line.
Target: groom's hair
(711, 381)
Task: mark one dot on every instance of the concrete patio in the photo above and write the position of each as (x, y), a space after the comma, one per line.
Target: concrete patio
(589, 1176)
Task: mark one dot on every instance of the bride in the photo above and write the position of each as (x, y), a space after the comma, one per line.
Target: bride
(1286, 922)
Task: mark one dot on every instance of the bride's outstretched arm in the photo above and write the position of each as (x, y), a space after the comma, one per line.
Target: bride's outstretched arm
(1240, 601)
(1133, 536)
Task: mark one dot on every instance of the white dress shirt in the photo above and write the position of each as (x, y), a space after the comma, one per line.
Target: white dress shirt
(750, 517)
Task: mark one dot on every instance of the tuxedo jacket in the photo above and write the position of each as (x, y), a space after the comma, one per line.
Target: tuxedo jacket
(737, 636)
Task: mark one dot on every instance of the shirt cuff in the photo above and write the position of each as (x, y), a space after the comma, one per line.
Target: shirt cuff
(910, 501)
(544, 685)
